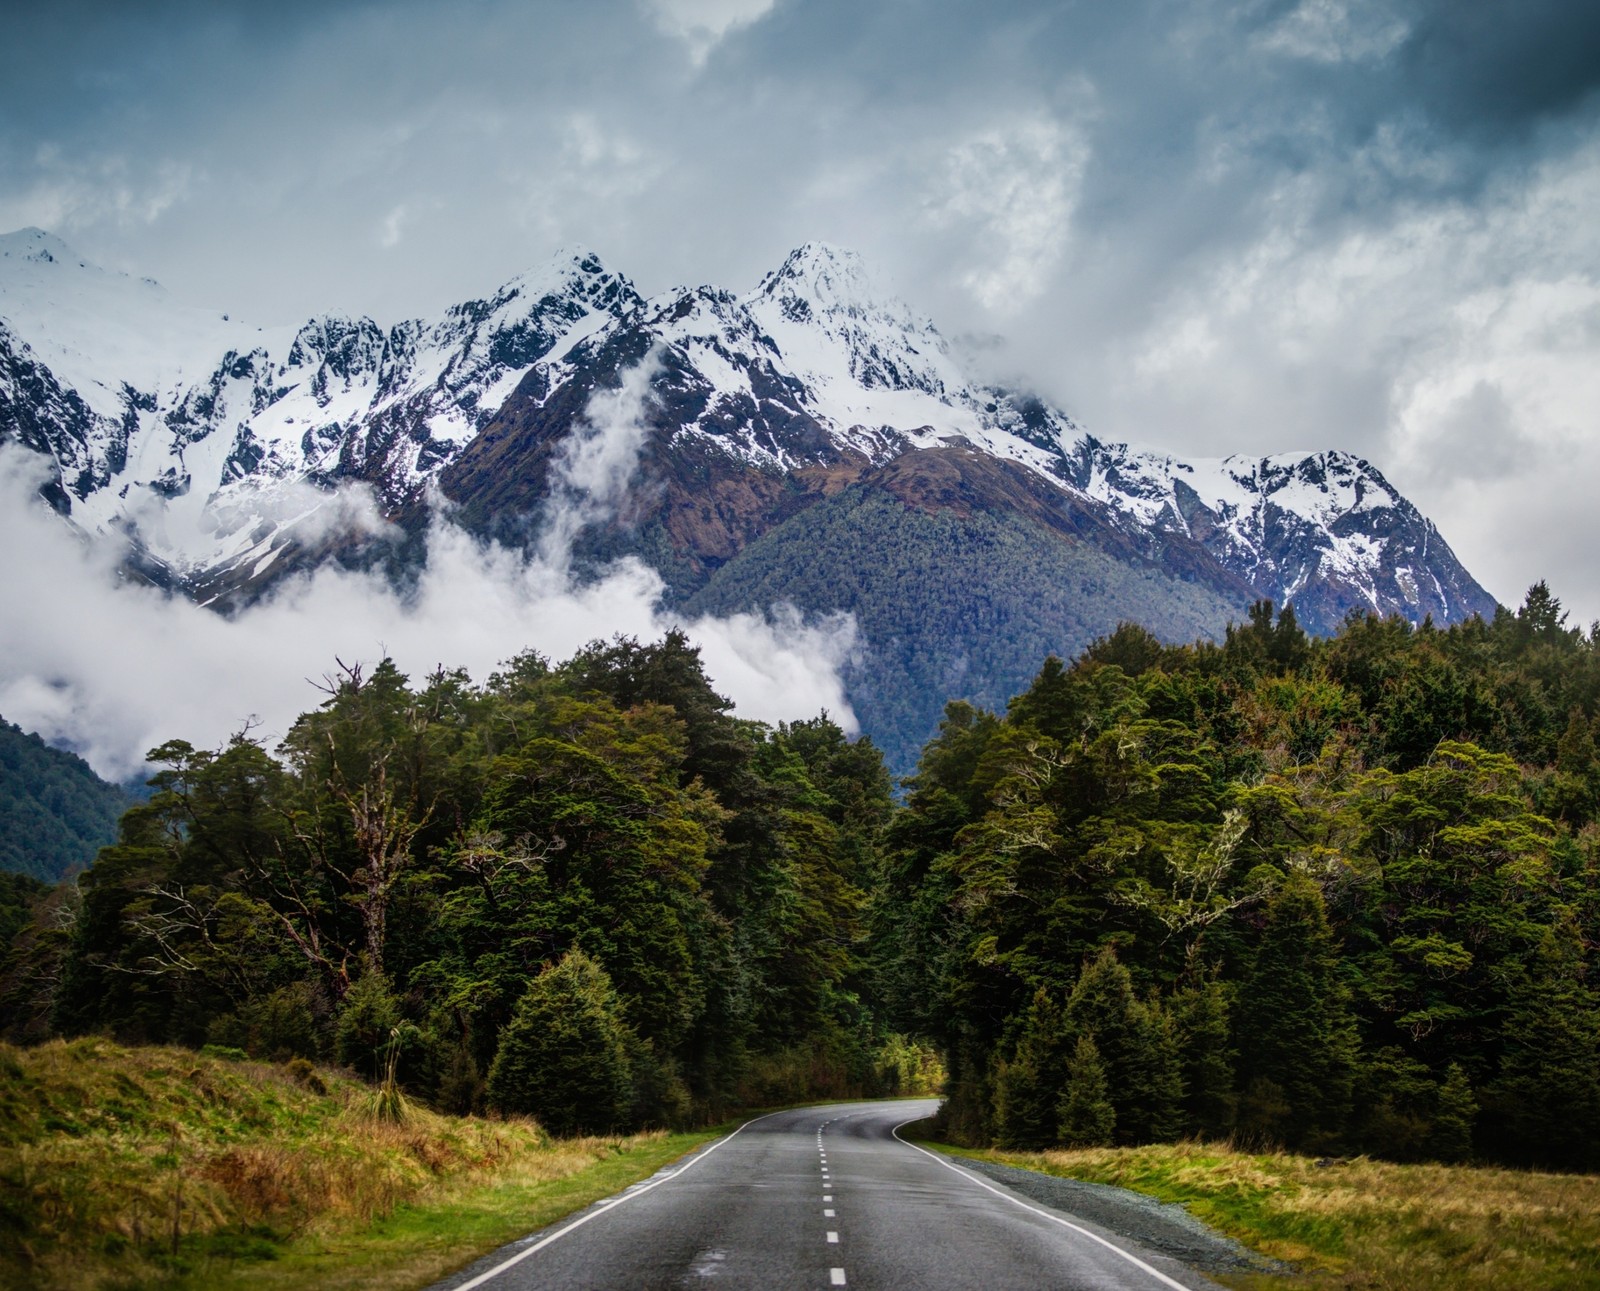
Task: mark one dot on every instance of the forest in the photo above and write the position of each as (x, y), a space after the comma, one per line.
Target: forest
(585, 892)
(1337, 895)
(54, 811)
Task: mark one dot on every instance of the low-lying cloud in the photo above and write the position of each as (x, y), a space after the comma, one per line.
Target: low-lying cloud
(112, 668)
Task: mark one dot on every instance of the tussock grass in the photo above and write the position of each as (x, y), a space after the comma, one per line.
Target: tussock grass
(152, 1167)
(1360, 1223)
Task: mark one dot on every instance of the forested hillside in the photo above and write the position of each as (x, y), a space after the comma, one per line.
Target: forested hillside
(951, 603)
(1341, 895)
(55, 813)
(586, 892)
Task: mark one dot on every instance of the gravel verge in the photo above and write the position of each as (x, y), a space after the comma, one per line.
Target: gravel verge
(1160, 1225)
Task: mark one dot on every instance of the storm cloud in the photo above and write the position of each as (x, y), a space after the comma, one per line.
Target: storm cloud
(1237, 226)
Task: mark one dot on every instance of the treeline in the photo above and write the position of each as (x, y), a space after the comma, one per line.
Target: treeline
(1339, 895)
(585, 892)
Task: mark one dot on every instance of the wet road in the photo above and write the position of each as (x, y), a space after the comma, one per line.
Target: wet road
(823, 1197)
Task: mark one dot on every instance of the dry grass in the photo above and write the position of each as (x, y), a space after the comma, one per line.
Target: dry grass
(156, 1167)
(1368, 1224)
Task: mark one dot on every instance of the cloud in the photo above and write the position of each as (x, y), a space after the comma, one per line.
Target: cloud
(702, 24)
(1475, 437)
(392, 228)
(112, 668)
(315, 515)
(1009, 191)
(596, 464)
(1333, 31)
(97, 189)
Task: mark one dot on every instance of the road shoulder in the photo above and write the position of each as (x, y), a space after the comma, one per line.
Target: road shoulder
(1120, 1213)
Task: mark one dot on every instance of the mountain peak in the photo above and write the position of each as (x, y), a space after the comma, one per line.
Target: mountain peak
(829, 278)
(35, 246)
(576, 271)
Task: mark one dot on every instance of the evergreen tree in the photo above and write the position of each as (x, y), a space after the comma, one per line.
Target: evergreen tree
(563, 1057)
(1087, 1117)
(1200, 1016)
(368, 1018)
(1544, 1106)
(1574, 790)
(1131, 647)
(1134, 1041)
(1027, 1087)
(1294, 1027)
(1453, 1118)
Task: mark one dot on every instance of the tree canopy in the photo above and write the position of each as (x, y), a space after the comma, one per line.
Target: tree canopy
(1339, 895)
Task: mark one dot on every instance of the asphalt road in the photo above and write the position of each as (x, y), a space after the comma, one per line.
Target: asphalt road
(823, 1197)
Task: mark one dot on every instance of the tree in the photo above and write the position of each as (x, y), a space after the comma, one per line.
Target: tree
(367, 1020)
(563, 1058)
(1200, 1016)
(1131, 647)
(1574, 791)
(1295, 1029)
(1028, 1085)
(1544, 1106)
(1454, 1116)
(1134, 1041)
(1087, 1117)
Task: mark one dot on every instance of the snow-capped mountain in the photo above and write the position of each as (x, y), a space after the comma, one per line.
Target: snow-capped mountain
(819, 368)
(814, 409)
(187, 429)
(1324, 531)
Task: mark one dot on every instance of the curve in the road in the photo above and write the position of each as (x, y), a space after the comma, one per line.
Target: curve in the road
(824, 1197)
(1133, 1259)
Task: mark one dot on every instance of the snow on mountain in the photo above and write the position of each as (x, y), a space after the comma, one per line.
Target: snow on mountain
(1290, 523)
(820, 359)
(189, 430)
(99, 332)
(208, 439)
(870, 365)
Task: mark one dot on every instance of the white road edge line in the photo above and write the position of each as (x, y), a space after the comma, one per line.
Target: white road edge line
(1157, 1274)
(608, 1204)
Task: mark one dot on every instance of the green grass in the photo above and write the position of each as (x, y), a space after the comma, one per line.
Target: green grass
(1360, 1223)
(416, 1244)
(161, 1168)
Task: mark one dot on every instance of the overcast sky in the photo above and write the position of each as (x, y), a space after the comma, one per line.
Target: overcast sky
(1236, 226)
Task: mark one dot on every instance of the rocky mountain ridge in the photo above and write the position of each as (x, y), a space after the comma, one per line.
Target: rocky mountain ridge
(816, 403)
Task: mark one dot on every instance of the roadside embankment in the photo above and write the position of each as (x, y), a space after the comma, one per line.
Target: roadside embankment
(1353, 1223)
(160, 1167)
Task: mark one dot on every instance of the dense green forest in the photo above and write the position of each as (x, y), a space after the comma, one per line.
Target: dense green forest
(1341, 895)
(592, 872)
(950, 604)
(55, 813)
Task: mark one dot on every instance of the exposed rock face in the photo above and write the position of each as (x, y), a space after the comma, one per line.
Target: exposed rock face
(190, 430)
(811, 404)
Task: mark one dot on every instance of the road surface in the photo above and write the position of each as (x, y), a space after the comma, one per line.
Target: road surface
(823, 1197)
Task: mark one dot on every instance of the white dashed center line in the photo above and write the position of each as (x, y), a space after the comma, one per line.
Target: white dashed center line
(835, 1276)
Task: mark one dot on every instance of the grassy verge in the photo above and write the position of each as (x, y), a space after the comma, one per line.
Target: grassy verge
(157, 1168)
(1361, 1223)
